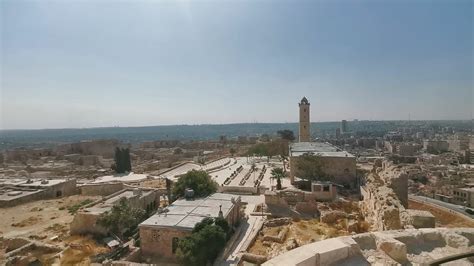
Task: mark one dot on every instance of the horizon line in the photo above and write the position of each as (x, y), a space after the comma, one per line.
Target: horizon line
(238, 123)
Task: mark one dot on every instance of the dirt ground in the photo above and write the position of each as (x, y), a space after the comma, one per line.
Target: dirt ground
(40, 220)
(443, 218)
(43, 220)
(80, 250)
(303, 231)
(158, 183)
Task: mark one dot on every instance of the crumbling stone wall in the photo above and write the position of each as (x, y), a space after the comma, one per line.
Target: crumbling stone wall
(381, 204)
(302, 201)
(395, 178)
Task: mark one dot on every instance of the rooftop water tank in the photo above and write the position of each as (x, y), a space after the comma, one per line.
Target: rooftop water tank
(189, 193)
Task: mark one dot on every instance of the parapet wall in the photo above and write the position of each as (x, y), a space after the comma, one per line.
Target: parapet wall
(406, 247)
(102, 189)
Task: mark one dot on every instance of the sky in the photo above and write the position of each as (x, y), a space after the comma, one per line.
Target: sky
(85, 63)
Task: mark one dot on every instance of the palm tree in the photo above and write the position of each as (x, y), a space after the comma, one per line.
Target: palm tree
(278, 173)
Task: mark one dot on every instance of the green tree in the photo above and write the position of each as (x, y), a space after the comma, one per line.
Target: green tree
(274, 148)
(204, 244)
(310, 167)
(198, 180)
(122, 160)
(127, 160)
(168, 190)
(286, 134)
(121, 218)
(118, 161)
(278, 174)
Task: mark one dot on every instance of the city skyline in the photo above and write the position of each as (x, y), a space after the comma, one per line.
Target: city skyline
(105, 64)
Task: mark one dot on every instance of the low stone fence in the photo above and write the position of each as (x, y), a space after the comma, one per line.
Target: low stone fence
(103, 189)
(277, 222)
(280, 238)
(238, 190)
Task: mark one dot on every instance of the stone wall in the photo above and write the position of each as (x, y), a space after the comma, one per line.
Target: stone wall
(385, 198)
(380, 204)
(238, 189)
(342, 169)
(405, 247)
(156, 242)
(86, 223)
(396, 178)
(103, 189)
(38, 195)
(66, 188)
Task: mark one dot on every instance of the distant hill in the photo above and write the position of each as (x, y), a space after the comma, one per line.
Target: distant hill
(47, 137)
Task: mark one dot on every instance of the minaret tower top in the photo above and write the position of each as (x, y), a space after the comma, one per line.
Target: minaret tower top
(304, 128)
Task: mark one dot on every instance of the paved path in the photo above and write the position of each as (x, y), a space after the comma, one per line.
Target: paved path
(453, 207)
(249, 229)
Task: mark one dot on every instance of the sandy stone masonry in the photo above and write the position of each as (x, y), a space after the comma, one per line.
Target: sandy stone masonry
(385, 200)
(395, 247)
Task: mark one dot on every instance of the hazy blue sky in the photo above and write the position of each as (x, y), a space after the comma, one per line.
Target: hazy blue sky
(132, 63)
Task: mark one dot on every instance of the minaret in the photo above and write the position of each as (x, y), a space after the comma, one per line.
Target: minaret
(304, 132)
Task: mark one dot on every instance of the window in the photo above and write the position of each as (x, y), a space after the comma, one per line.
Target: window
(59, 193)
(155, 236)
(174, 244)
(326, 188)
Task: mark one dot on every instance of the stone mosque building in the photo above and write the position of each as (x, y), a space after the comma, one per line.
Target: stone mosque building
(337, 163)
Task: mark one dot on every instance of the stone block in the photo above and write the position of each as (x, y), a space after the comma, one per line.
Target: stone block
(394, 249)
(421, 219)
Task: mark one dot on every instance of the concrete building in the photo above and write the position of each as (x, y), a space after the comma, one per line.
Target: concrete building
(304, 129)
(85, 221)
(324, 191)
(160, 233)
(338, 133)
(344, 128)
(338, 164)
(458, 143)
(18, 191)
(435, 146)
(401, 148)
(464, 196)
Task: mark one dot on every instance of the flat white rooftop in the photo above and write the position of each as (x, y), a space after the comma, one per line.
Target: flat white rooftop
(42, 183)
(131, 177)
(323, 149)
(7, 194)
(184, 214)
(23, 182)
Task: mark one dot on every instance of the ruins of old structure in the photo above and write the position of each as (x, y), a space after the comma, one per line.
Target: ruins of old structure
(385, 200)
(405, 247)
